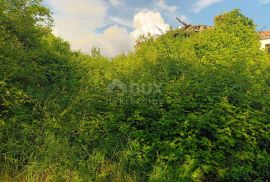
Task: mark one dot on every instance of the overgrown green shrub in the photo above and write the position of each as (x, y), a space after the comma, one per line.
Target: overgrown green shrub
(182, 107)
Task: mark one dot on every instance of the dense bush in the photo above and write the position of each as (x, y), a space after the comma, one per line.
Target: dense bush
(182, 107)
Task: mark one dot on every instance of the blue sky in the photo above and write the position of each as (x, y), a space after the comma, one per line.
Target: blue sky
(113, 25)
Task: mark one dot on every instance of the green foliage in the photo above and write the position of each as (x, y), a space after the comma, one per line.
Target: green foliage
(182, 107)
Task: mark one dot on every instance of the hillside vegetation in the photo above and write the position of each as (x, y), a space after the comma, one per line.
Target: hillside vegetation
(185, 106)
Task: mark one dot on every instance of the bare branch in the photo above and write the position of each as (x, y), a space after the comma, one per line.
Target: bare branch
(183, 23)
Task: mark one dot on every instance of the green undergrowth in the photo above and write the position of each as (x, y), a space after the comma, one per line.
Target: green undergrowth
(181, 107)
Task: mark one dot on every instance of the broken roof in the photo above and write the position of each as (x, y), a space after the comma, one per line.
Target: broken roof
(264, 34)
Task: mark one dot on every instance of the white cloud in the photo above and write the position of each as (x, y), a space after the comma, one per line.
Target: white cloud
(148, 22)
(202, 4)
(78, 21)
(264, 1)
(116, 2)
(163, 6)
(75, 19)
(88, 13)
(170, 12)
(122, 22)
(113, 41)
